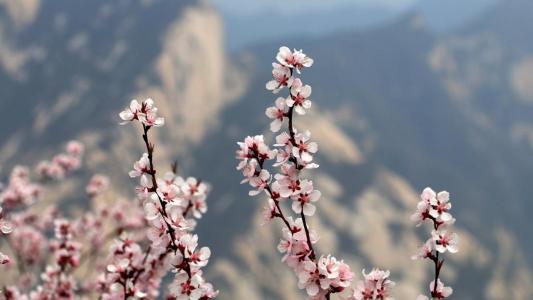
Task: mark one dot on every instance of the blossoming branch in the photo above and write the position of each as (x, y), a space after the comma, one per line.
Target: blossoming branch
(172, 205)
(119, 250)
(293, 152)
(434, 208)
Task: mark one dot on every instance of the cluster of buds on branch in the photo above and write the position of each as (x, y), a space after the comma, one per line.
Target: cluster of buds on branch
(435, 209)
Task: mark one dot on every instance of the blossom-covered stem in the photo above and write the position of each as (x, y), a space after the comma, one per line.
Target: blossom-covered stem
(150, 150)
(190, 204)
(269, 190)
(435, 259)
(435, 208)
(290, 114)
(140, 271)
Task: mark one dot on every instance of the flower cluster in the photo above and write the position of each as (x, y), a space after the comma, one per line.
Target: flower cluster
(434, 208)
(63, 163)
(145, 238)
(45, 243)
(57, 278)
(20, 191)
(375, 286)
(293, 152)
(172, 205)
(144, 112)
(97, 185)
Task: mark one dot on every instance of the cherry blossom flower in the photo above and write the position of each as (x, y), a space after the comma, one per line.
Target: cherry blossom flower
(132, 112)
(6, 227)
(293, 59)
(440, 291)
(62, 164)
(376, 285)
(282, 78)
(303, 149)
(144, 188)
(445, 241)
(425, 251)
(168, 192)
(278, 113)
(309, 278)
(269, 212)
(97, 185)
(440, 206)
(141, 166)
(435, 208)
(299, 98)
(259, 182)
(146, 113)
(4, 259)
(422, 212)
(303, 200)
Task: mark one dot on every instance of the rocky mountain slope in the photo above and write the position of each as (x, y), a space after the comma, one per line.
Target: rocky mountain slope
(397, 109)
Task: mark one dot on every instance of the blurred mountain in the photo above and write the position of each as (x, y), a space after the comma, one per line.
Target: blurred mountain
(247, 23)
(246, 29)
(446, 16)
(396, 108)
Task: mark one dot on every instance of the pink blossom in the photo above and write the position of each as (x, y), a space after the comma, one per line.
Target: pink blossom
(376, 285)
(303, 149)
(75, 148)
(303, 200)
(440, 206)
(435, 207)
(141, 166)
(269, 212)
(6, 227)
(296, 59)
(425, 251)
(146, 113)
(277, 113)
(441, 291)
(132, 112)
(144, 188)
(288, 181)
(445, 241)
(4, 259)
(299, 98)
(97, 185)
(282, 78)
(309, 278)
(259, 182)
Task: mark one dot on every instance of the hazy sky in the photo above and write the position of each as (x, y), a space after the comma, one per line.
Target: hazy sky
(251, 6)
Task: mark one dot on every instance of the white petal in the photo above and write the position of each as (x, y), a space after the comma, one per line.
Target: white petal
(275, 126)
(309, 209)
(300, 110)
(272, 85)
